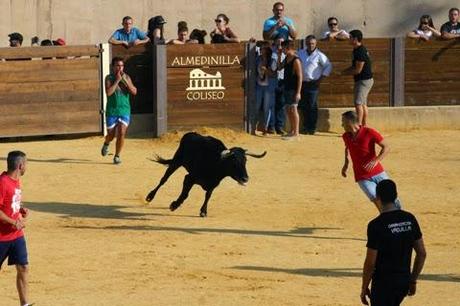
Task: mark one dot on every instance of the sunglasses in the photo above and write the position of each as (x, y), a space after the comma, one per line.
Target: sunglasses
(218, 20)
(332, 24)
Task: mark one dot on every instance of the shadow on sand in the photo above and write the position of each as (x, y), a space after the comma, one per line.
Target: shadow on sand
(342, 272)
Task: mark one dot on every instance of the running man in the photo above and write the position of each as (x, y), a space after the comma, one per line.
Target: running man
(118, 87)
(12, 221)
(360, 144)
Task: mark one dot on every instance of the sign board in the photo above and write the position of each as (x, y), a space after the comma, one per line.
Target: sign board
(205, 85)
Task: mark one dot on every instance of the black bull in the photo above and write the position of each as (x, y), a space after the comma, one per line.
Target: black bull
(207, 161)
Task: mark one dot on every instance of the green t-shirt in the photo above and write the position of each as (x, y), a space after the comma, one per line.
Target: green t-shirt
(118, 103)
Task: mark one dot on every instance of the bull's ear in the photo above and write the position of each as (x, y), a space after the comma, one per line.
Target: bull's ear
(225, 154)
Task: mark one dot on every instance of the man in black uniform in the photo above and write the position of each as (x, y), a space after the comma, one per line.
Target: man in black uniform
(390, 240)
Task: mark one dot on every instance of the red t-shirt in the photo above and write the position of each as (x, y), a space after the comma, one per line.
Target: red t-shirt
(362, 151)
(10, 204)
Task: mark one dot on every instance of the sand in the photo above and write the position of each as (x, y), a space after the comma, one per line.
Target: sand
(295, 235)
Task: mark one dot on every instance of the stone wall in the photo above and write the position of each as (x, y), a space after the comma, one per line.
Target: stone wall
(93, 21)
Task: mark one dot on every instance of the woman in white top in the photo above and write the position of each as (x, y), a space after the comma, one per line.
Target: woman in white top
(425, 30)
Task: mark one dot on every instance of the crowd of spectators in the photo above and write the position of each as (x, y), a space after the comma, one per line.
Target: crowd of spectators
(288, 79)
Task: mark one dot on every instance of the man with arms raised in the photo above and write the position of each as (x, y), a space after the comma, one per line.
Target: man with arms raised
(390, 240)
(12, 221)
(118, 87)
(278, 24)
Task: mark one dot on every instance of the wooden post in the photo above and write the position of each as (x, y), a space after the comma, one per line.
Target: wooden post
(397, 71)
(159, 90)
(250, 86)
(104, 59)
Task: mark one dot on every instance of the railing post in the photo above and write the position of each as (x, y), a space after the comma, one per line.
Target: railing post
(159, 90)
(104, 60)
(397, 71)
(250, 86)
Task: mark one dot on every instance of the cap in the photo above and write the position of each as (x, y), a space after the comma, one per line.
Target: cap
(59, 42)
(16, 36)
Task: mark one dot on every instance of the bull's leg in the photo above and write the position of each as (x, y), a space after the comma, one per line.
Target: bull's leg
(188, 183)
(204, 208)
(171, 168)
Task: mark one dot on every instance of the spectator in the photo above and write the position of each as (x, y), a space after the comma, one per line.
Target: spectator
(362, 73)
(279, 25)
(118, 87)
(278, 118)
(315, 66)
(46, 43)
(265, 90)
(35, 41)
(198, 35)
(15, 39)
(292, 86)
(155, 30)
(390, 240)
(182, 33)
(425, 30)
(334, 32)
(451, 29)
(360, 144)
(222, 32)
(128, 36)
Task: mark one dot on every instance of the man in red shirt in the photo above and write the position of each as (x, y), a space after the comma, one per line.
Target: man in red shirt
(360, 144)
(12, 217)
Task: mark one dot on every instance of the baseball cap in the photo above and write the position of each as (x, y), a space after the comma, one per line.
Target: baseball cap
(59, 42)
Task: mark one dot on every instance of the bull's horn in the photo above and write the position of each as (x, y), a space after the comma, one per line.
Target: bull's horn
(225, 153)
(255, 155)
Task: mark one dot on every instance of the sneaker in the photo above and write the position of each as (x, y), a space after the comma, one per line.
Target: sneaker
(271, 131)
(116, 160)
(290, 137)
(280, 132)
(105, 149)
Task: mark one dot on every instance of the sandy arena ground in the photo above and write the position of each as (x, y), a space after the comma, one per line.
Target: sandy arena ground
(294, 236)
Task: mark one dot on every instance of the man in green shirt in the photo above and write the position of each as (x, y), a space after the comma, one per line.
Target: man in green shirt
(118, 87)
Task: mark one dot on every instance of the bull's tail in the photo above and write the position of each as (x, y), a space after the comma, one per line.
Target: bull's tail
(161, 160)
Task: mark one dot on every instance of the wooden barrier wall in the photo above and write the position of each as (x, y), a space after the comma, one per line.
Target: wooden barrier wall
(337, 90)
(58, 95)
(432, 71)
(205, 85)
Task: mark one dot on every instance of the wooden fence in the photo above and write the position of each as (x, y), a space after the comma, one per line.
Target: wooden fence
(337, 90)
(432, 71)
(58, 90)
(50, 90)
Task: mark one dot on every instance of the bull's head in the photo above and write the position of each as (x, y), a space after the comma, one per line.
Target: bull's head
(235, 163)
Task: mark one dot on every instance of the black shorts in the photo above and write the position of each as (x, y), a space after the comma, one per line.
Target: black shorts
(388, 292)
(15, 250)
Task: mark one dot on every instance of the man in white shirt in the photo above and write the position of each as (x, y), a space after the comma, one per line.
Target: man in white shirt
(315, 66)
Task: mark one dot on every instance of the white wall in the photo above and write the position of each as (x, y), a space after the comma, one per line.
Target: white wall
(93, 21)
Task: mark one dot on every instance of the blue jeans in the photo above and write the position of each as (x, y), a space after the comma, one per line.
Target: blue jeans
(265, 100)
(369, 186)
(309, 106)
(278, 119)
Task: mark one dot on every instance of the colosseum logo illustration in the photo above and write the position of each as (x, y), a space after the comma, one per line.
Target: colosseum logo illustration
(205, 86)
